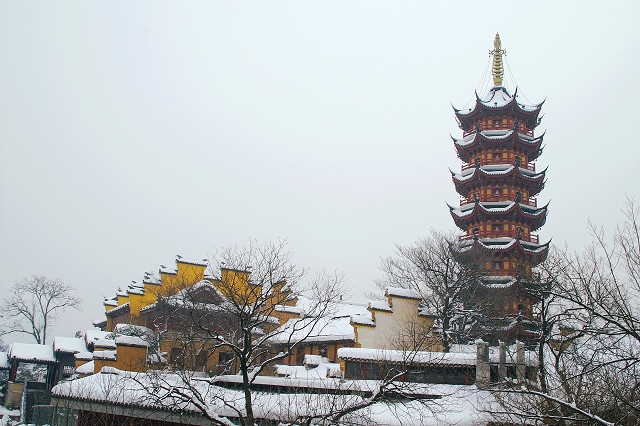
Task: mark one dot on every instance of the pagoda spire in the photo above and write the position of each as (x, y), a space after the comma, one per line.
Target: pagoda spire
(497, 70)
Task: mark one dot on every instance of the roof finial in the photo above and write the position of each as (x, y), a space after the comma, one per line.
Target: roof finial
(497, 70)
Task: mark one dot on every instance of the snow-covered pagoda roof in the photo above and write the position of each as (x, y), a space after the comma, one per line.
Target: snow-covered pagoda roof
(470, 144)
(536, 252)
(536, 216)
(469, 178)
(498, 99)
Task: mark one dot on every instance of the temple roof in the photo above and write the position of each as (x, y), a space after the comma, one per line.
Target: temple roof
(498, 100)
(536, 216)
(533, 180)
(531, 145)
(536, 252)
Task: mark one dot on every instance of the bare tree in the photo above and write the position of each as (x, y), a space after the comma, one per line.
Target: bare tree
(589, 367)
(446, 283)
(238, 317)
(35, 304)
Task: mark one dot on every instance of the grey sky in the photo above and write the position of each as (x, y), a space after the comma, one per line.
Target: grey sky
(134, 131)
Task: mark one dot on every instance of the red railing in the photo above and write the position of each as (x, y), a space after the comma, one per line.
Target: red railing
(532, 238)
(529, 201)
(528, 166)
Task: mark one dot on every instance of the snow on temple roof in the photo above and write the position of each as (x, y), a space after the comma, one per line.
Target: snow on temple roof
(83, 356)
(110, 301)
(402, 292)
(151, 279)
(396, 356)
(168, 270)
(131, 341)
(362, 320)
(313, 330)
(323, 368)
(93, 335)
(69, 344)
(117, 309)
(192, 261)
(132, 330)
(380, 305)
(135, 290)
(86, 368)
(32, 352)
(105, 355)
(105, 344)
(456, 404)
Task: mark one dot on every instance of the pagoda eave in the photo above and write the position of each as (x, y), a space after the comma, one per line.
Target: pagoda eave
(479, 177)
(506, 246)
(515, 211)
(466, 148)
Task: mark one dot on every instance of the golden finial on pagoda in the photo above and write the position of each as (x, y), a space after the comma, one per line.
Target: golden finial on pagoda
(497, 70)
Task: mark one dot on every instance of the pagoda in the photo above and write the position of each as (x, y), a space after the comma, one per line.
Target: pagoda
(499, 214)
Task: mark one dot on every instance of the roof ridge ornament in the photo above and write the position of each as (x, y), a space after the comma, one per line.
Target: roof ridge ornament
(497, 70)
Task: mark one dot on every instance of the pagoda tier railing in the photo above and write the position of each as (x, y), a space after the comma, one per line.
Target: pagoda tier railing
(527, 166)
(529, 201)
(473, 130)
(531, 238)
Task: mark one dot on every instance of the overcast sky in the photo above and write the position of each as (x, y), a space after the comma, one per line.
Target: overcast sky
(134, 131)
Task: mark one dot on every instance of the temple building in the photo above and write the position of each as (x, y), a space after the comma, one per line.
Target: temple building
(499, 213)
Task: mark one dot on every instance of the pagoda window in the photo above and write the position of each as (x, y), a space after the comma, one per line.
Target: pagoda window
(496, 123)
(521, 308)
(497, 227)
(496, 155)
(497, 265)
(497, 191)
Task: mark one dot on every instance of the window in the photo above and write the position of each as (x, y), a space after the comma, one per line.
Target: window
(225, 363)
(496, 156)
(521, 308)
(497, 227)
(497, 191)
(224, 358)
(496, 123)
(497, 265)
